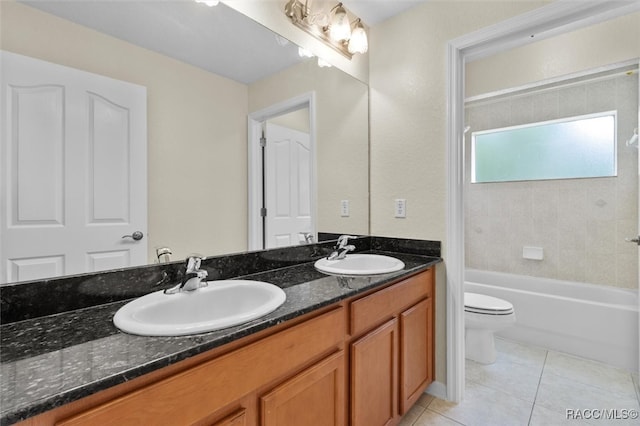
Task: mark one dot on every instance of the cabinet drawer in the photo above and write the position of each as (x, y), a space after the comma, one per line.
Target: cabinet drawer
(196, 393)
(382, 305)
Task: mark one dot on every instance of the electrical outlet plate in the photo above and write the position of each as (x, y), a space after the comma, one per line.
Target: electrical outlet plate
(400, 208)
(344, 208)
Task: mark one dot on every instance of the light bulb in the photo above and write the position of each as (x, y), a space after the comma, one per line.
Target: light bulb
(358, 42)
(340, 28)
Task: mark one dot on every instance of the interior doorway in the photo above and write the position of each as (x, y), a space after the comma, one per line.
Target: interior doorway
(282, 174)
(553, 19)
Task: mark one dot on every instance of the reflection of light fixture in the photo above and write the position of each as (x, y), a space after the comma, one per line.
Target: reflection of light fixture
(323, 64)
(304, 53)
(337, 32)
(281, 40)
(209, 3)
(633, 140)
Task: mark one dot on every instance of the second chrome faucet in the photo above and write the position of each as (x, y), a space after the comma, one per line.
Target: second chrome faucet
(341, 249)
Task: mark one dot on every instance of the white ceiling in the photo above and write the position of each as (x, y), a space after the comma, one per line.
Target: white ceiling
(373, 12)
(217, 39)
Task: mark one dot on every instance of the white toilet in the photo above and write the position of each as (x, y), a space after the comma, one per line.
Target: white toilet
(483, 316)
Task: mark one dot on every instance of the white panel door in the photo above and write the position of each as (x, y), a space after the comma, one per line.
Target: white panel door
(288, 170)
(73, 161)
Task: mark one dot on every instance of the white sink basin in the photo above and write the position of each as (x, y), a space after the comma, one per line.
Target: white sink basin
(360, 264)
(219, 305)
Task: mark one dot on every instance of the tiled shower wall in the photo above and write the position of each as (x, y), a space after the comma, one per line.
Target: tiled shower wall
(580, 224)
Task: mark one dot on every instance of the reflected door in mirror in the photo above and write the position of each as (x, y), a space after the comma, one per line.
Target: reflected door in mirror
(288, 174)
(74, 171)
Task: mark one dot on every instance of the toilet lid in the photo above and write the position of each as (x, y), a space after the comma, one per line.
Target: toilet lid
(481, 303)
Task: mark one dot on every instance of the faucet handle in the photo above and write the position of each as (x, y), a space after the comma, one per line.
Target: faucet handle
(193, 263)
(344, 239)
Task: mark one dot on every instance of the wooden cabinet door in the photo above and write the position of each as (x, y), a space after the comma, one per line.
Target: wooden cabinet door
(238, 418)
(415, 353)
(314, 397)
(374, 377)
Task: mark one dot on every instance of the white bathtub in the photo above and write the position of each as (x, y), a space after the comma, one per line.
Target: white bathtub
(591, 321)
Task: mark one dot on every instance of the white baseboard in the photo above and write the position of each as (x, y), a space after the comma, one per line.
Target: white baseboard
(437, 389)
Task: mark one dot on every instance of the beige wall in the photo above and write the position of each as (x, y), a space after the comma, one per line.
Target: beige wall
(191, 171)
(408, 110)
(408, 118)
(606, 43)
(342, 138)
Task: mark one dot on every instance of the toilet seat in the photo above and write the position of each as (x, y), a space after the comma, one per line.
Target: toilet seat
(487, 305)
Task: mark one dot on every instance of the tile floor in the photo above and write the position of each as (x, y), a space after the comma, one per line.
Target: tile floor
(533, 386)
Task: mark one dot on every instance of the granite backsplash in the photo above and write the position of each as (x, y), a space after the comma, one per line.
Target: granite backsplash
(33, 299)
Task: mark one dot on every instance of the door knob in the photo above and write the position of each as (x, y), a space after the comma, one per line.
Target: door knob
(633, 240)
(137, 236)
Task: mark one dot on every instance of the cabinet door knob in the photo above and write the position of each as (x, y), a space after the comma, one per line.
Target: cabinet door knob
(137, 236)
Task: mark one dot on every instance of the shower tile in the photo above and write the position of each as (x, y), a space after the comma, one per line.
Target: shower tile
(592, 373)
(522, 110)
(626, 271)
(479, 407)
(572, 199)
(601, 237)
(600, 269)
(558, 394)
(499, 258)
(499, 115)
(574, 262)
(431, 418)
(545, 106)
(627, 91)
(572, 101)
(572, 233)
(627, 196)
(519, 380)
(601, 95)
(601, 199)
(626, 228)
(477, 203)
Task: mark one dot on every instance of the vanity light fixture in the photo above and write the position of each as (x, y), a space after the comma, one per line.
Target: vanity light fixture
(334, 29)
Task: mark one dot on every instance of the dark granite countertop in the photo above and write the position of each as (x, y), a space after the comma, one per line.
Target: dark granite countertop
(52, 360)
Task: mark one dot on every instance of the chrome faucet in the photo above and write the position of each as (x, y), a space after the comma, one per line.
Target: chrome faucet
(341, 248)
(308, 237)
(193, 277)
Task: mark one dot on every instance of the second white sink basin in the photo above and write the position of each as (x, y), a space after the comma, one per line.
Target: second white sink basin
(219, 305)
(360, 264)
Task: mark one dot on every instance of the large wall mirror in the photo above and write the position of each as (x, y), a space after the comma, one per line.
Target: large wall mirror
(205, 71)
